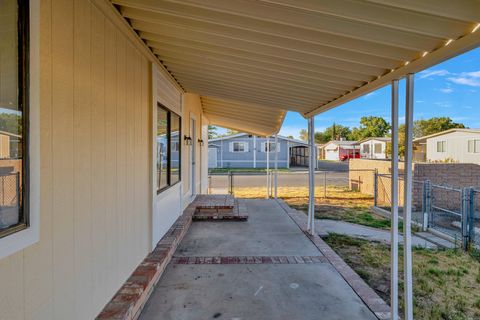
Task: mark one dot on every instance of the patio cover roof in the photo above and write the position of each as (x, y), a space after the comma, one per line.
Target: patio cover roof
(251, 61)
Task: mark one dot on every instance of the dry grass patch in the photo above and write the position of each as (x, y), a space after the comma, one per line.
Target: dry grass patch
(446, 282)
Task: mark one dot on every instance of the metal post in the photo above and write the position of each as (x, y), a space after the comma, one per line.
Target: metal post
(311, 177)
(325, 184)
(394, 206)
(254, 152)
(267, 148)
(465, 217)
(276, 167)
(471, 220)
(375, 188)
(407, 203)
(425, 205)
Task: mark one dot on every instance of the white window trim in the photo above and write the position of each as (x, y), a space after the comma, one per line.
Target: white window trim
(245, 146)
(271, 143)
(474, 146)
(24, 238)
(444, 146)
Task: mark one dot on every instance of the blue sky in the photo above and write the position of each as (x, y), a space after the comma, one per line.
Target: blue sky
(451, 89)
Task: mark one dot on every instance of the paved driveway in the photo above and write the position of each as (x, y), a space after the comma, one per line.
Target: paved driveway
(252, 270)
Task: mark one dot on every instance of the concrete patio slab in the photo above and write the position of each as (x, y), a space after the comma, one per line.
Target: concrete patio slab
(194, 288)
(313, 291)
(267, 232)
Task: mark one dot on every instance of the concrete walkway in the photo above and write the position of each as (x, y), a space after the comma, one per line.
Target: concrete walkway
(265, 268)
(325, 226)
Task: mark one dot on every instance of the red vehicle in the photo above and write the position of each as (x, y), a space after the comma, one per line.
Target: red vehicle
(350, 155)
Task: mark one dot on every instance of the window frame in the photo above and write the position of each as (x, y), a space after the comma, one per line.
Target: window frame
(475, 141)
(442, 143)
(264, 147)
(169, 148)
(244, 144)
(23, 74)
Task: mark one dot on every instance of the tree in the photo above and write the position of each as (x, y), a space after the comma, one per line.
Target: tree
(231, 132)
(290, 137)
(212, 132)
(11, 123)
(371, 127)
(336, 132)
(304, 135)
(433, 125)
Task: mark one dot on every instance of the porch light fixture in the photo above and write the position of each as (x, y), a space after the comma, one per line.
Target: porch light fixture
(200, 141)
(187, 140)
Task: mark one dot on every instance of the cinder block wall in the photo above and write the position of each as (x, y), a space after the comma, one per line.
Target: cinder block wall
(455, 175)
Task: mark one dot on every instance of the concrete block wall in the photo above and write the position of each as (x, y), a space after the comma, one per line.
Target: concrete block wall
(454, 175)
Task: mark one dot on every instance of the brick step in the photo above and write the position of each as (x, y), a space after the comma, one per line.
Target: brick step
(250, 260)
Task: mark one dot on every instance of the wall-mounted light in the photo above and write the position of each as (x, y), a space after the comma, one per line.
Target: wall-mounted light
(200, 141)
(187, 140)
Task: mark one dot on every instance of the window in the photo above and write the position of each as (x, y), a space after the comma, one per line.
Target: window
(272, 147)
(473, 146)
(366, 148)
(441, 146)
(377, 147)
(168, 148)
(14, 26)
(237, 146)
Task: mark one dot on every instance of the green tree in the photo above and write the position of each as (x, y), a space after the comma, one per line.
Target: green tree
(371, 127)
(303, 135)
(11, 123)
(433, 125)
(336, 132)
(212, 132)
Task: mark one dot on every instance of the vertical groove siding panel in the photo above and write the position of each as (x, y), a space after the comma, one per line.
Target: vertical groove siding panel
(38, 258)
(121, 161)
(62, 103)
(82, 161)
(99, 227)
(95, 168)
(129, 154)
(110, 156)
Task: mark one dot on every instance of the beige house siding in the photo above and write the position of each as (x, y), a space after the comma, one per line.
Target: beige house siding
(95, 169)
(456, 147)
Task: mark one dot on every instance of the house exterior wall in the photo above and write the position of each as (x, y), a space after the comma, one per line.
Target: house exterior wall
(332, 152)
(96, 136)
(456, 147)
(228, 159)
(372, 154)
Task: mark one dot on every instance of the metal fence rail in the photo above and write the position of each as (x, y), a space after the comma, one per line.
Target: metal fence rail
(452, 211)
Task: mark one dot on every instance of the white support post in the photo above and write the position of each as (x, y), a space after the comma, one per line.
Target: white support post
(254, 152)
(267, 148)
(407, 203)
(275, 185)
(311, 177)
(394, 206)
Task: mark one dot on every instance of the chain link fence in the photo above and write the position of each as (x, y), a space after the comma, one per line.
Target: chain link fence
(253, 184)
(451, 211)
(10, 194)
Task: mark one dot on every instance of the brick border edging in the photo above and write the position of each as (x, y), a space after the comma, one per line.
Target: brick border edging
(129, 300)
(239, 213)
(371, 299)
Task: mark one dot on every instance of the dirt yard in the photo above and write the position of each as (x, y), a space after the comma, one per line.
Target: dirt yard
(446, 282)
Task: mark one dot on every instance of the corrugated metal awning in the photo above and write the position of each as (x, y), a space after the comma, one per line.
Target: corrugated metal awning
(300, 55)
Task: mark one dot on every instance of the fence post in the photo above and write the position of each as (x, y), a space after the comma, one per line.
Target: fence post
(425, 199)
(325, 184)
(427, 207)
(375, 188)
(465, 214)
(230, 182)
(471, 220)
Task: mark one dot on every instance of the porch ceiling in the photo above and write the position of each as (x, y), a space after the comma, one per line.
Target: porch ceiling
(300, 55)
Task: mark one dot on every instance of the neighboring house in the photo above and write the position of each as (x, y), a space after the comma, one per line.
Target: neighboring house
(374, 148)
(10, 145)
(247, 151)
(454, 145)
(338, 150)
